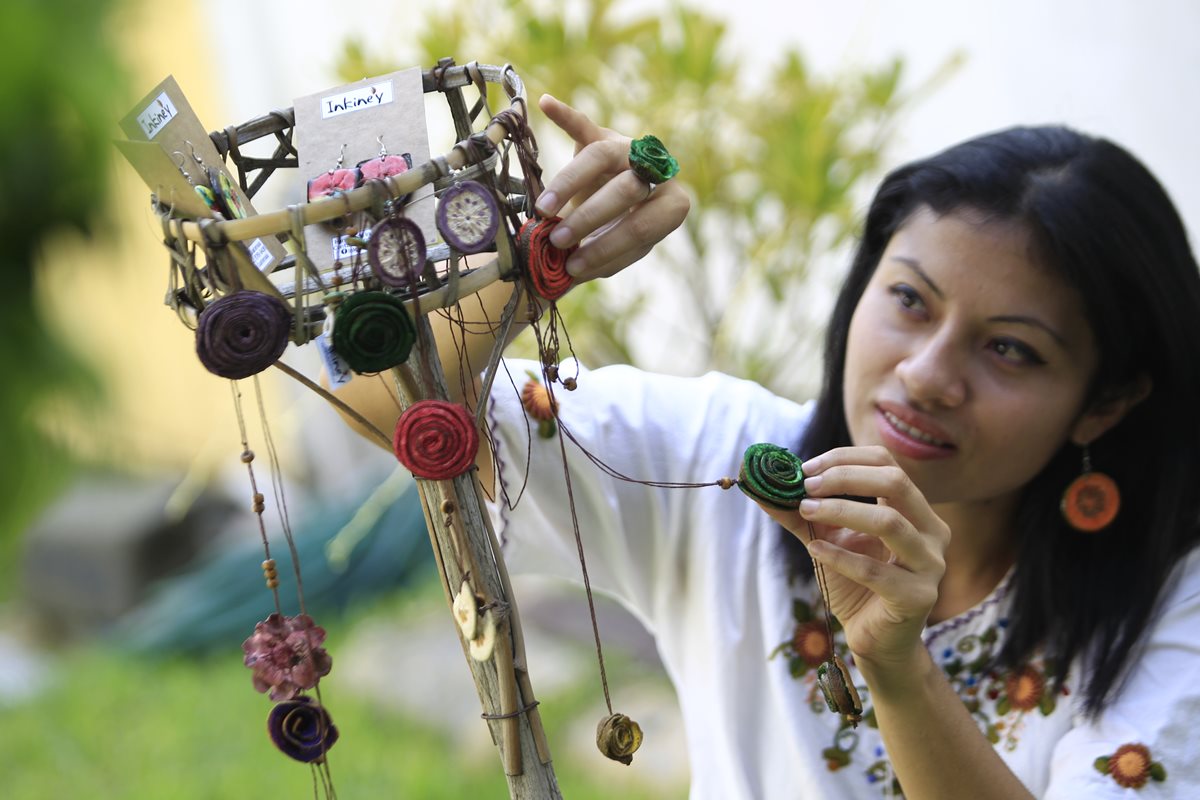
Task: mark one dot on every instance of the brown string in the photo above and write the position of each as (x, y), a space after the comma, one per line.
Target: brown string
(526, 146)
(280, 499)
(322, 768)
(587, 583)
(511, 714)
(248, 458)
(823, 587)
(548, 348)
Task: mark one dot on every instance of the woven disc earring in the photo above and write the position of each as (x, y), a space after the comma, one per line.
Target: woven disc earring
(1092, 500)
(468, 217)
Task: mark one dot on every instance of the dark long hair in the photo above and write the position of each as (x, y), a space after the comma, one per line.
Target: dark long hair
(1102, 222)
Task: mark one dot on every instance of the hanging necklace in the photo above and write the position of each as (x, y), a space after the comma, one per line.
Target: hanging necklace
(771, 474)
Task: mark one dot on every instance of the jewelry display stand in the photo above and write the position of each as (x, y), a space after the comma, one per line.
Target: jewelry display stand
(212, 259)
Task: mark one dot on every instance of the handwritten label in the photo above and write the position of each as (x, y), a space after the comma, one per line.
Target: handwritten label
(338, 371)
(260, 255)
(157, 115)
(346, 102)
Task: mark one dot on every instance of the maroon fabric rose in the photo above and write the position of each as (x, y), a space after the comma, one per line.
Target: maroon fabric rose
(286, 655)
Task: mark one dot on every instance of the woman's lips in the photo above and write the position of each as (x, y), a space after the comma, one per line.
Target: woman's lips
(906, 436)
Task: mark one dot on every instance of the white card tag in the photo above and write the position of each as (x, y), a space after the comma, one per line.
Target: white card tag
(339, 373)
(377, 94)
(260, 255)
(157, 115)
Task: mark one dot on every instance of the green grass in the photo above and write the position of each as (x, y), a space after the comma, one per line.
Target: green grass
(115, 726)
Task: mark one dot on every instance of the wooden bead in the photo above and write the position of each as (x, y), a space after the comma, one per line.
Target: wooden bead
(569, 384)
(272, 583)
(726, 483)
(247, 456)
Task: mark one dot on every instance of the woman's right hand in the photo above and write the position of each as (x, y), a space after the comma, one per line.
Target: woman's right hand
(608, 210)
(884, 561)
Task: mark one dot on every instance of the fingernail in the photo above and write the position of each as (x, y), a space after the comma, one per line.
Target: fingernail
(547, 203)
(809, 506)
(812, 484)
(560, 237)
(575, 266)
(811, 465)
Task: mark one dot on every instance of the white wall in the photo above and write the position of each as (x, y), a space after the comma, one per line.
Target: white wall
(1123, 69)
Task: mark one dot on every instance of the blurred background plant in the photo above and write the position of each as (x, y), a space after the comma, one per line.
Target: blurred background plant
(60, 82)
(777, 168)
(776, 162)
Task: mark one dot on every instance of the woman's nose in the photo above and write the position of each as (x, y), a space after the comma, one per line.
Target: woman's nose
(934, 372)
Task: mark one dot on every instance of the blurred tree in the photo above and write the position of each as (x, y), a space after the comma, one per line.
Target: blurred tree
(776, 164)
(59, 84)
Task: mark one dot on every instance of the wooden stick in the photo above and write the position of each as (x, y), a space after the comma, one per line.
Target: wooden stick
(509, 703)
(518, 635)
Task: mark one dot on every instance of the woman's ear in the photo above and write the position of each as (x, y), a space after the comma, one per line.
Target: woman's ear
(1110, 409)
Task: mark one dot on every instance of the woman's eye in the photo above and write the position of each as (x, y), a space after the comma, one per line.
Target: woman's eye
(907, 297)
(1016, 352)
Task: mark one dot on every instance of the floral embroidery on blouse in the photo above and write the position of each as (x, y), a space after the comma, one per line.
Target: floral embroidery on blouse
(1000, 700)
(805, 650)
(1131, 766)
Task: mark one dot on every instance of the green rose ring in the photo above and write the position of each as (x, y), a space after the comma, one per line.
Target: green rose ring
(772, 474)
(649, 159)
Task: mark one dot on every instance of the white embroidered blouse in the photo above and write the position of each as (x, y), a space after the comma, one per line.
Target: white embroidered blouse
(704, 571)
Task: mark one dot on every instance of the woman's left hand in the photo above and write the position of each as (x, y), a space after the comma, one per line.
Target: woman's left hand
(883, 561)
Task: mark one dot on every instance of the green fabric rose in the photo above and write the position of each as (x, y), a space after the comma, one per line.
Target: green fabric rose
(650, 160)
(772, 474)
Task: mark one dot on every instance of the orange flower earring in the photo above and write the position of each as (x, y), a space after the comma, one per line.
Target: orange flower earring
(1092, 500)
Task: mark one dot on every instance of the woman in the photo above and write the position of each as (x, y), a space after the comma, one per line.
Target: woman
(1023, 308)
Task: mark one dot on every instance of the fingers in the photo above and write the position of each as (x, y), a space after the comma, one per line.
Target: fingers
(574, 123)
(902, 519)
(871, 472)
(900, 587)
(609, 210)
(594, 165)
(614, 237)
(816, 536)
(910, 548)
(606, 209)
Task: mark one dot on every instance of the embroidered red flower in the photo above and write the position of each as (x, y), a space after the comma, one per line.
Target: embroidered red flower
(811, 643)
(1024, 688)
(1131, 766)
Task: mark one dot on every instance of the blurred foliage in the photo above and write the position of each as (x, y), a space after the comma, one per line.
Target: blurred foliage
(118, 727)
(776, 163)
(59, 83)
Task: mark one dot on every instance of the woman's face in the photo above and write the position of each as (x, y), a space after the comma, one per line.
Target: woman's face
(966, 359)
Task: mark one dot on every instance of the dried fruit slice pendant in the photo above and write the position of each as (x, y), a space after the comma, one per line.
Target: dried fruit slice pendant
(397, 252)
(840, 693)
(468, 217)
